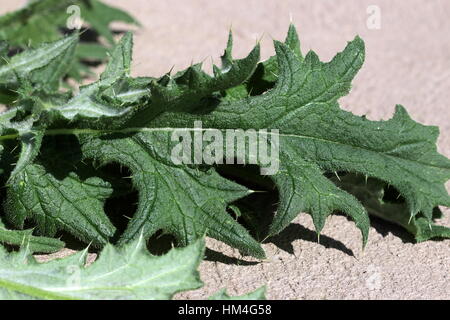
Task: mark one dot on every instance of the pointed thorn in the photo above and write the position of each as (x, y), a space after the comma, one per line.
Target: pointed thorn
(274, 74)
(230, 28)
(337, 176)
(258, 41)
(410, 218)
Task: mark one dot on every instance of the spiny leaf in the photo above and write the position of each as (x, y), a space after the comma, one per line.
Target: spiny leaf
(42, 21)
(181, 201)
(25, 238)
(128, 273)
(297, 101)
(317, 137)
(266, 73)
(88, 104)
(22, 65)
(193, 89)
(178, 200)
(30, 146)
(48, 192)
(371, 193)
(303, 87)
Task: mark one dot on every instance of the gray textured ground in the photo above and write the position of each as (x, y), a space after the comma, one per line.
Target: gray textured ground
(408, 62)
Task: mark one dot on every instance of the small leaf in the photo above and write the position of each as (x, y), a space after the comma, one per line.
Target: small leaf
(24, 238)
(371, 193)
(57, 202)
(30, 146)
(22, 65)
(46, 21)
(100, 16)
(88, 102)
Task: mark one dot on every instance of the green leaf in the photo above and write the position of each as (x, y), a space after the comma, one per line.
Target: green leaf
(266, 73)
(30, 145)
(30, 141)
(57, 200)
(178, 200)
(165, 203)
(129, 121)
(256, 295)
(100, 16)
(4, 50)
(48, 60)
(269, 68)
(317, 137)
(305, 90)
(127, 273)
(24, 238)
(91, 51)
(50, 77)
(88, 103)
(193, 89)
(7, 96)
(371, 193)
(44, 20)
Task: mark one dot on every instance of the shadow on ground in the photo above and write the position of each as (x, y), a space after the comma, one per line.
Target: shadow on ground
(294, 232)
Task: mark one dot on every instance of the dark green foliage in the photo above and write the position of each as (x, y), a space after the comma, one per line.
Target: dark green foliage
(125, 121)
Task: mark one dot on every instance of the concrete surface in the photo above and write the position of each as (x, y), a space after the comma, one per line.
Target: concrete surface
(407, 62)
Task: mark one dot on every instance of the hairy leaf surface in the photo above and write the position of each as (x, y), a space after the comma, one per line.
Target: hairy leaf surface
(43, 21)
(24, 238)
(180, 201)
(372, 192)
(49, 59)
(317, 137)
(130, 122)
